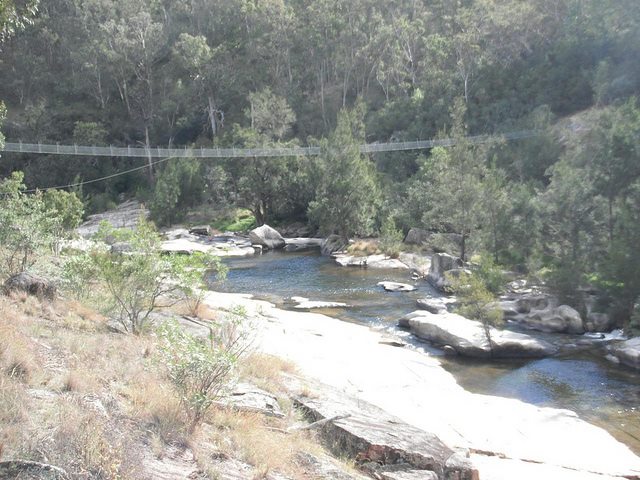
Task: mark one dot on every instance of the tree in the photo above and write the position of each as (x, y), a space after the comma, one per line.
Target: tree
(455, 186)
(14, 15)
(27, 227)
(347, 192)
(265, 184)
(179, 186)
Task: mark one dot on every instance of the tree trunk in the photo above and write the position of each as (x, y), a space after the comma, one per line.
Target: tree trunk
(257, 212)
(149, 160)
(212, 116)
(463, 247)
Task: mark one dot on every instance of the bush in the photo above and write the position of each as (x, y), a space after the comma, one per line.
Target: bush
(475, 301)
(200, 369)
(27, 227)
(189, 272)
(134, 281)
(66, 206)
(490, 274)
(390, 238)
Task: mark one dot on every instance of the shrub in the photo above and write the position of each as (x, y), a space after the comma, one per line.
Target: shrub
(27, 227)
(390, 238)
(475, 301)
(135, 281)
(490, 274)
(189, 272)
(199, 369)
(66, 206)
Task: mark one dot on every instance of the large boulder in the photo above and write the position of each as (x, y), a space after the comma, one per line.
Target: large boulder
(433, 305)
(416, 236)
(267, 237)
(440, 264)
(469, 338)
(450, 243)
(31, 284)
(627, 352)
(543, 313)
(332, 244)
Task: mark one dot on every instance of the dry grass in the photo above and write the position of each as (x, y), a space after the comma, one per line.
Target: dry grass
(265, 371)
(18, 352)
(258, 441)
(155, 405)
(57, 360)
(364, 247)
(87, 445)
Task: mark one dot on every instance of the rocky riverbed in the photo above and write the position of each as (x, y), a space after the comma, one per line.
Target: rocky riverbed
(502, 438)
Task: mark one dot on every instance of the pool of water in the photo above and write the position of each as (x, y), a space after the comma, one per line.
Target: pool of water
(602, 393)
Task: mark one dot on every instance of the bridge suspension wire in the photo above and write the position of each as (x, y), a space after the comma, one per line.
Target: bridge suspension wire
(99, 179)
(158, 152)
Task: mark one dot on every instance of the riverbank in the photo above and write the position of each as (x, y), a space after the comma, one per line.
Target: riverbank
(506, 438)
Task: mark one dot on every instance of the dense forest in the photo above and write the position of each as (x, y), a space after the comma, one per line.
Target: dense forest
(563, 205)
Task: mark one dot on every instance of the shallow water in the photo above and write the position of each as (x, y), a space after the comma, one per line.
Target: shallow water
(584, 382)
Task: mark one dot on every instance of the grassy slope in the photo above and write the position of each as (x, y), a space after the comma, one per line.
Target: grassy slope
(95, 403)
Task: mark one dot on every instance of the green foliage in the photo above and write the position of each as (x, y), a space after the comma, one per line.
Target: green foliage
(619, 270)
(390, 238)
(200, 369)
(241, 221)
(134, 280)
(27, 227)
(269, 74)
(14, 15)
(490, 274)
(64, 205)
(3, 114)
(453, 183)
(189, 272)
(179, 186)
(476, 301)
(347, 192)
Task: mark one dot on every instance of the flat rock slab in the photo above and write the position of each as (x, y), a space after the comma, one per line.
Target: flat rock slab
(469, 337)
(409, 475)
(301, 244)
(370, 261)
(496, 468)
(416, 388)
(188, 246)
(370, 435)
(627, 352)
(306, 304)
(396, 287)
(249, 398)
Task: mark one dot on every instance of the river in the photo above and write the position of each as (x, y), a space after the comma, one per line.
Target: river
(582, 381)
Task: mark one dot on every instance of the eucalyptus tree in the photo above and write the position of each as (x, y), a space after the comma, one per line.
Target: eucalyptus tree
(263, 183)
(455, 187)
(347, 194)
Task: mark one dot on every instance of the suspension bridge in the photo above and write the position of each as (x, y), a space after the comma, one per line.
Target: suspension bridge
(187, 152)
